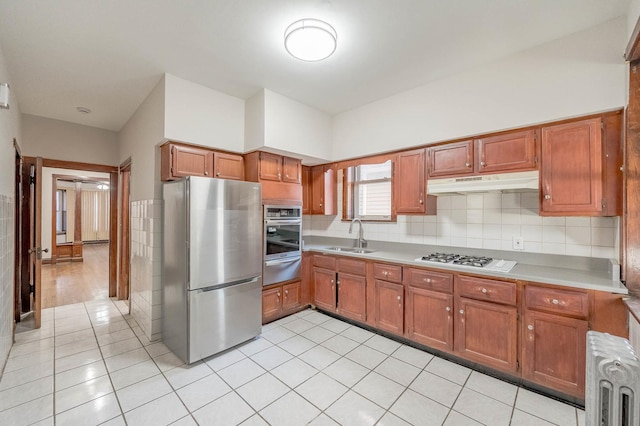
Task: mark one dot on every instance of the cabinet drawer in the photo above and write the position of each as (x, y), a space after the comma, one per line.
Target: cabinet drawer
(489, 290)
(428, 279)
(322, 261)
(352, 266)
(392, 273)
(566, 302)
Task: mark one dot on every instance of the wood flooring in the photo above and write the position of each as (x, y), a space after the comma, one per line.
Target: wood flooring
(66, 283)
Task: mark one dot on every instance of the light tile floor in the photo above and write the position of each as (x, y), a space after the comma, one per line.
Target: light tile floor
(90, 364)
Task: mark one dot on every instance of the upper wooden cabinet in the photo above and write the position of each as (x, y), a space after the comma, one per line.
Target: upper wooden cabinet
(324, 191)
(276, 168)
(505, 153)
(280, 177)
(452, 159)
(228, 166)
(291, 170)
(410, 182)
(306, 190)
(580, 168)
(178, 160)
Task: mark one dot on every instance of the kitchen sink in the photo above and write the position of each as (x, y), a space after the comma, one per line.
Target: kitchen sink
(351, 250)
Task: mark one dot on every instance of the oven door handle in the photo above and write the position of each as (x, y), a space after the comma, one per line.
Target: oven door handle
(283, 222)
(279, 261)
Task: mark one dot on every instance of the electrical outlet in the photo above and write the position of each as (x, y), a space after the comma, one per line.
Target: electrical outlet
(518, 243)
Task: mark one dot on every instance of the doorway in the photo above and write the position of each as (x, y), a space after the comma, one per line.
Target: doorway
(124, 261)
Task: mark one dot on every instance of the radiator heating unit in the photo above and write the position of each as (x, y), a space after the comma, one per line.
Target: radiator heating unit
(612, 381)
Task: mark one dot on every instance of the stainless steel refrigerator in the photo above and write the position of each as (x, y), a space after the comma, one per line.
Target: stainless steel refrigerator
(212, 265)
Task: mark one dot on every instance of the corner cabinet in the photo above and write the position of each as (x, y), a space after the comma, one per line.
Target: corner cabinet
(580, 172)
(324, 198)
(281, 300)
(410, 184)
(180, 160)
(340, 286)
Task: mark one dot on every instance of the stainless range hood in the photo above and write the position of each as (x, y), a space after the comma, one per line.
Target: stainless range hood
(517, 181)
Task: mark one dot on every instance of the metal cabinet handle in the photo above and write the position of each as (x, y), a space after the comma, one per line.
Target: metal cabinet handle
(448, 309)
(461, 311)
(278, 294)
(421, 201)
(427, 280)
(555, 301)
(467, 164)
(399, 297)
(286, 292)
(530, 327)
(279, 175)
(484, 290)
(331, 281)
(547, 197)
(385, 273)
(218, 174)
(206, 173)
(483, 164)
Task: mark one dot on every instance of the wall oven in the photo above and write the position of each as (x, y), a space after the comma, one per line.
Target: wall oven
(282, 243)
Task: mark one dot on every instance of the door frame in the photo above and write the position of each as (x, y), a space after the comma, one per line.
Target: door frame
(17, 241)
(113, 209)
(124, 254)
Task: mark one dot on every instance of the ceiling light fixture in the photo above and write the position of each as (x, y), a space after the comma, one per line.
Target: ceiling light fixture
(310, 40)
(83, 110)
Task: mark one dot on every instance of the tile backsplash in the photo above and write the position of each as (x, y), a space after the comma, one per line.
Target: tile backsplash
(146, 255)
(487, 220)
(6, 276)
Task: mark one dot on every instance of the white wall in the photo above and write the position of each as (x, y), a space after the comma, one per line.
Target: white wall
(47, 188)
(139, 140)
(202, 116)
(254, 122)
(61, 140)
(9, 129)
(576, 75)
(632, 18)
(295, 127)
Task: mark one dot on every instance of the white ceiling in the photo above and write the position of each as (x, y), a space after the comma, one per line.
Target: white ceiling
(108, 54)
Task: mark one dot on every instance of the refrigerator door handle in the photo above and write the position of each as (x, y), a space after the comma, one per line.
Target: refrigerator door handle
(280, 261)
(230, 284)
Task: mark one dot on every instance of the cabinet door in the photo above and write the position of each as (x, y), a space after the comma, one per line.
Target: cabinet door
(291, 170)
(452, 159)
(323, 191)
(487, 333)
(306, 190)
(270, 166)
(571, 169)
(190, 161)
(390, 307)
(325, 289)
(410, 182)
(228, 166)
(291, 296)
(271, 303)
(352, 296)
(554, 352)
(429, 318)
(506, 153)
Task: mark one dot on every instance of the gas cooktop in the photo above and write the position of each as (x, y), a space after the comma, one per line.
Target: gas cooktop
(486, 263)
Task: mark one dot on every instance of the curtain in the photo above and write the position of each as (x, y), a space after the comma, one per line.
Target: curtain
(95, 215)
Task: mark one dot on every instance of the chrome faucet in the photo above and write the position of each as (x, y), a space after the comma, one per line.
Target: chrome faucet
(361, 242)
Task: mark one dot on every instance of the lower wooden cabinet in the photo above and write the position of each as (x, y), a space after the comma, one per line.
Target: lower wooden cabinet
(325, 288)
(352, 296)
(487, 333)
(390, 307)
(554, 351)
(280, 300)
(429, 318)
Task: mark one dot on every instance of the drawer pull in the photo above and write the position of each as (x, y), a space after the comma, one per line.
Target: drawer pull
(278, 294)
(467, 164)
(448, 309)
(427, 280)
(484, 290)
(530, 327)
(385, 273)
(555, 301)
(461, 311)
(399, 298)
(286, 292)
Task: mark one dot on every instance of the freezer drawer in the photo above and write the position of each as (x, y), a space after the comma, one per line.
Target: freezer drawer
(223, 317)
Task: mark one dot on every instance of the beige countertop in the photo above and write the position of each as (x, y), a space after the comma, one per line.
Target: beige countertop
(570, 271)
